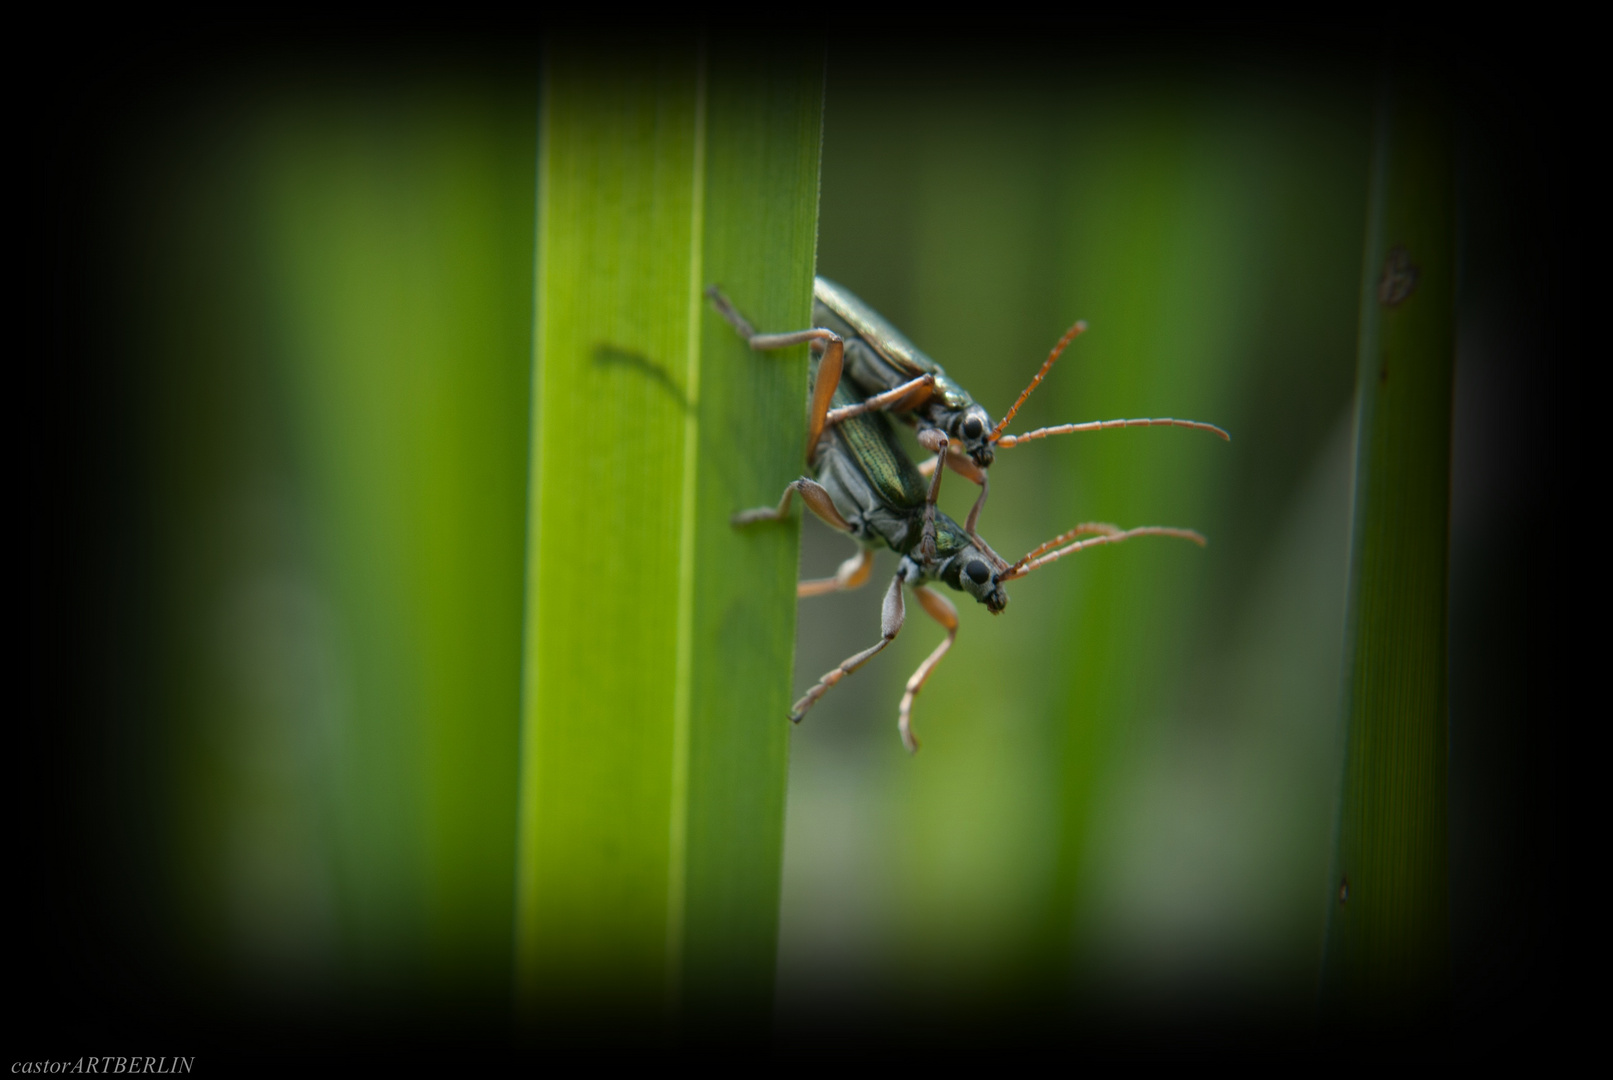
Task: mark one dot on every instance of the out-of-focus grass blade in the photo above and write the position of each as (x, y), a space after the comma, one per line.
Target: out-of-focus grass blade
(396, 257)
(1157, 224)
(659, 640)
(335, 282)
(1387, 941)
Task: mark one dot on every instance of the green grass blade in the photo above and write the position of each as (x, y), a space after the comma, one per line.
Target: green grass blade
(763, 144)
(397, 271)
(658, 640)
(1387, 947)
(1154, 224)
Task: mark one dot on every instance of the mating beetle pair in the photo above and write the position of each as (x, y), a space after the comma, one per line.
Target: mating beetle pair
(864, 483)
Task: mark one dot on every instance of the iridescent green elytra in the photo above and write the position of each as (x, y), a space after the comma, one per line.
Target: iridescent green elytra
(879, 357)
(868, 442)
(874, 448)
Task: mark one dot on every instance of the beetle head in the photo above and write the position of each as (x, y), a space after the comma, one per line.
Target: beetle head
(971, 571)
(971, 429)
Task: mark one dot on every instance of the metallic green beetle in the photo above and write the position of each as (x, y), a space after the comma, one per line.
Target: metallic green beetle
(865, 485)
(885, 365)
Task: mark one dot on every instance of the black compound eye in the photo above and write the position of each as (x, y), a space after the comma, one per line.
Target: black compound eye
(978, 571)
(973, 429)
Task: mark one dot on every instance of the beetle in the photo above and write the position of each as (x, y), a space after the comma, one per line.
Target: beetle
(888, 367)
(865, 485)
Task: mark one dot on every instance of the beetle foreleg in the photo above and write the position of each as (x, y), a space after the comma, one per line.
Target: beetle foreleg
(892, 615)
(812, 493)
(964, 466)
(941, 610)
(853, 574)
(935, 441)
(910, 395)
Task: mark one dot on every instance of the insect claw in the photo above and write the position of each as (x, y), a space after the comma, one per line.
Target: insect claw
(799, 710)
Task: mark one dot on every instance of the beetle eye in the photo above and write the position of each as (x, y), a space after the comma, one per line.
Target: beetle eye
(978, 571)
(973, 429)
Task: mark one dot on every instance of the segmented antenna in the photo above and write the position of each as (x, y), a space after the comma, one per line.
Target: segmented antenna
(1010, 441)
(1035, 559)
(1069, 335)
(1086, 528)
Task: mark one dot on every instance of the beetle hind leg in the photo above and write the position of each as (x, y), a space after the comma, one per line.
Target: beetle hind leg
(941, 610)
(812, 493)
(892, 616)
(853, 574)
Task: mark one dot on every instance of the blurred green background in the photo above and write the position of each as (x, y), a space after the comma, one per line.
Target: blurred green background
(301, 291)
(1125, 788)
(327, 284)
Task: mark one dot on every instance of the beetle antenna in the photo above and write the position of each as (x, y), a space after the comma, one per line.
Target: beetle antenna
(1047, 365)
(1086, 528)
(1009, 441)
(1104, 535)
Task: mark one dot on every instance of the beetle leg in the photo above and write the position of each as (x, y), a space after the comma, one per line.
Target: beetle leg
(964, 466)
(823, 390)
(910, 395)
(853, 574)
(727, 310)
(941, 610)
(812, 493)
(890, 624)
(934, 440)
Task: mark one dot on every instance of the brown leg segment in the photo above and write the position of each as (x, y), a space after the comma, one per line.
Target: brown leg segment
(937, 443)
(812, 493)
(941, 610)
(823, 391)
(910, 395)
(964, 466)
(891, 618)
(853, 574)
